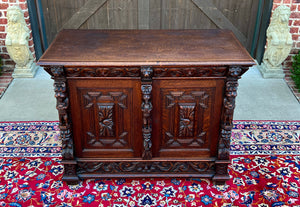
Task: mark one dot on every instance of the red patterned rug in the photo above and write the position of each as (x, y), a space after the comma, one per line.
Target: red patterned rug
(264, 170)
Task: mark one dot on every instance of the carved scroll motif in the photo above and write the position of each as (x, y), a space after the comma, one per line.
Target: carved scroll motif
(103, 72)
(146, 88)
(146, 167)
(190, 72)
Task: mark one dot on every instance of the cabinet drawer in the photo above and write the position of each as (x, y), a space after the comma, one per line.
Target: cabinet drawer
(106, 117)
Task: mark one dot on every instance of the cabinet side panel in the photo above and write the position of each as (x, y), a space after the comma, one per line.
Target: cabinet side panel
(105, 117)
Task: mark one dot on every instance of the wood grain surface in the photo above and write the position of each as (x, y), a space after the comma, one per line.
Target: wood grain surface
(146, 47)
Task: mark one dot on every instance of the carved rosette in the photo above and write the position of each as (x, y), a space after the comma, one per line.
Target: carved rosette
(234, 73)
(146, 107)
(62, 105)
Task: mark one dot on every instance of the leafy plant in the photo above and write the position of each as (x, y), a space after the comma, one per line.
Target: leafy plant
(296, 70)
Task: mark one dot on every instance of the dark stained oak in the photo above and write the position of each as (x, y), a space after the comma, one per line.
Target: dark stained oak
(146, 47)
(145, 103)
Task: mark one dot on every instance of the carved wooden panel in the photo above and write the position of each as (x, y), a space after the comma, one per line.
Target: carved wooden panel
(106, 115)
(103, 72)
(151, 167)
(190, 71)
(184, 123)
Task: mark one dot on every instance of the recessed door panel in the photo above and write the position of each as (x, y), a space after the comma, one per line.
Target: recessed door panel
(186, 116)
(106, 117)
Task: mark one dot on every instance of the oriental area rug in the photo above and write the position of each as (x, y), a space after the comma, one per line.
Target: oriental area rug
(264, 171)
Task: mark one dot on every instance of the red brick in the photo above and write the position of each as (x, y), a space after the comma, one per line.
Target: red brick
(294, 30)
(289, 58)
(5, 56)
(286, 1)
(276, 1)
(2, 35)
(4, 50)
(288, 64)
(12, 1)
(295, 15)
(294, 51)
(23, 6)
(8, 62)
(4, 6)
(298, 45)
(5, 81)
(27, 21)
(30, 43)
(2, 28)
(26, 14)
(295, 37)
(296, 22)
(6, 75)
(3, 21)
(294, 8)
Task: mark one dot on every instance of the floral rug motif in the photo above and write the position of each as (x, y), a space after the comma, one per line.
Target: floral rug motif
(32, 177)
(265, 137)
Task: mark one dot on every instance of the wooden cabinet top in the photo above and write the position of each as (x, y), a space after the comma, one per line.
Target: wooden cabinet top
(145, 47)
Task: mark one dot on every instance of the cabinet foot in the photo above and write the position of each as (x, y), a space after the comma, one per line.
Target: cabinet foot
(220, 179)
(71, 180)
(70, 175)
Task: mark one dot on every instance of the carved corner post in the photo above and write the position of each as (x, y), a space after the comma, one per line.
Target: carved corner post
(146, 87)
(230, 91)
(62, 105)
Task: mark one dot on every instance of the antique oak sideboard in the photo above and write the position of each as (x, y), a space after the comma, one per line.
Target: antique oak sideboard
(145, 103)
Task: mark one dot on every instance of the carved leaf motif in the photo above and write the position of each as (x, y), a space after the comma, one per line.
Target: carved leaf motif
(106, 120)
(190, 72)
(146, 167)
(103, 72)
(187, 118)
(188, 102)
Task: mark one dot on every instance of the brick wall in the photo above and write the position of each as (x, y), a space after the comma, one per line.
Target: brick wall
(8, 64)
(294, 25)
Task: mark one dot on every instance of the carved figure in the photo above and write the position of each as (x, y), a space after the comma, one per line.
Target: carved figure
(17, 42)
(278, 37)
(279, 42)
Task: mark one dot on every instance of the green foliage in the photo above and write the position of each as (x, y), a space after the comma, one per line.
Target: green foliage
(296, 70)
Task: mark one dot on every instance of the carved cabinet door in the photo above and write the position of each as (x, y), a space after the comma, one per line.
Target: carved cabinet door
(106, 117)
(186, 114)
